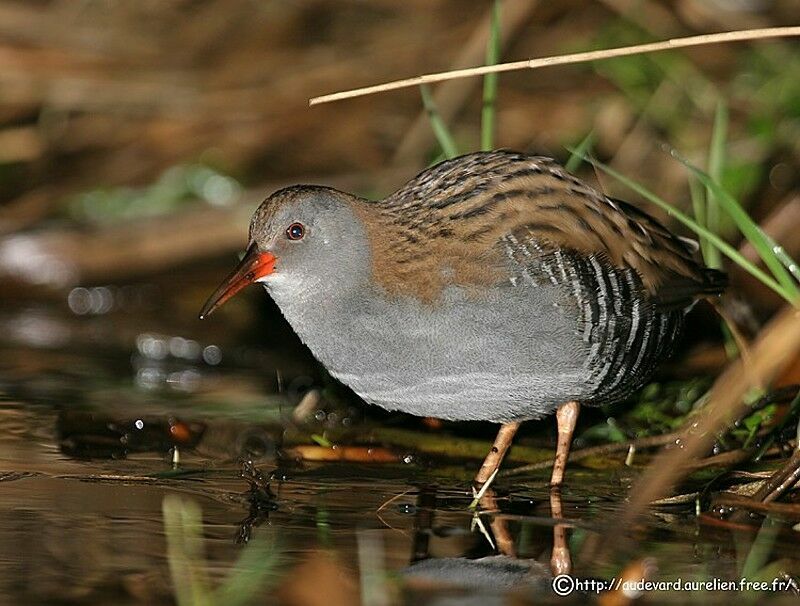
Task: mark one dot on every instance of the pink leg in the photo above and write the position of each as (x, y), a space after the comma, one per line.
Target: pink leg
(560, 560)
(566, 417)
(501, 445)
(502, 536)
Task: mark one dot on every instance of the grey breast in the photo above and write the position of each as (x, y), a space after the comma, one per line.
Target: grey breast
(562, 327)
(514, 352)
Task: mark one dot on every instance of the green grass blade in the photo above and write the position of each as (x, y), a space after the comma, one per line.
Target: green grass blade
(710, 256)
(321, 440)
(759, 552)
(583, 150)
(488, 110)
(443, 136)
(258, 564)
(698, 196)
(726, 249)
(716, 164)
(183, 527)
(784, 257)
(763, 244)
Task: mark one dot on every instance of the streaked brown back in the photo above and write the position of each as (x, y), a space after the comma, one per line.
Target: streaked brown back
(444, 225)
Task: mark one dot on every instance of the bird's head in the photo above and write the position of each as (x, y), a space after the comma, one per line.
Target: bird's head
(302, 239)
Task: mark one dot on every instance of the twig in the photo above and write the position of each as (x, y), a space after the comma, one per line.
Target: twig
(392, 500)
(733, 500)
(781, 481)
(350, 454)
(638, 49)
(592, 451)
(386, 504)
(434, 444)
(476, 521)
(478, 495)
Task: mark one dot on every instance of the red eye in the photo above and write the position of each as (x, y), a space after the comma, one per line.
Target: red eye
(295, 231)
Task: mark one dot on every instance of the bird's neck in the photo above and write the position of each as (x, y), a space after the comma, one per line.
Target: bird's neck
(324, 316)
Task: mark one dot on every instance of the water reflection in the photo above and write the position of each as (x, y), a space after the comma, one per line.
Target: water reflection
(92, 435)
(93, 407)
(481, 581)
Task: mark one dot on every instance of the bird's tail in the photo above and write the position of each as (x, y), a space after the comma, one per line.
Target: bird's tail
(714, 281)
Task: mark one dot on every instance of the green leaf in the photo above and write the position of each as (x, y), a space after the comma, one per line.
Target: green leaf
(443, 136)
(699, 208)
(183, 527)
(716, 164)
(726, 249)
(321, 440)
(764, 245)
(259, 563)
(488, 111)
(759, 552)
(584, 149)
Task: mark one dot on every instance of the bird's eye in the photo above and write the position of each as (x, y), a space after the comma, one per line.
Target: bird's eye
(295, 231)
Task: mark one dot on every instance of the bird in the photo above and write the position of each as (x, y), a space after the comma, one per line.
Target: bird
(493, 286)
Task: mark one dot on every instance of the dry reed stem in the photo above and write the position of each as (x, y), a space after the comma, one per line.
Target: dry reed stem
(596, 451)
(572, 58)
(775, 348)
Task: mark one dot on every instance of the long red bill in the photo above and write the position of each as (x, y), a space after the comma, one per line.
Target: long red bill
(252, 267)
